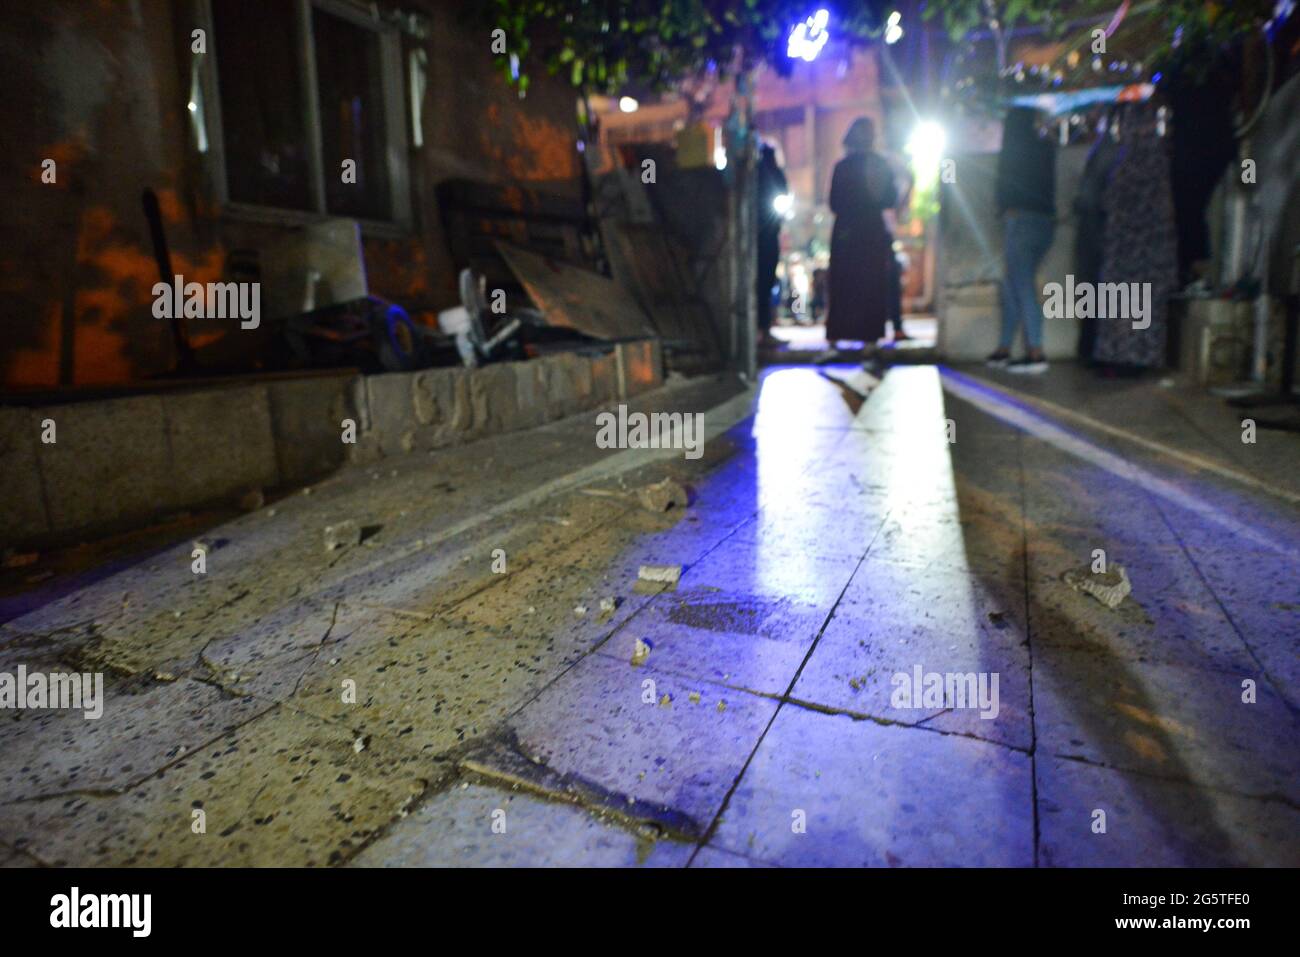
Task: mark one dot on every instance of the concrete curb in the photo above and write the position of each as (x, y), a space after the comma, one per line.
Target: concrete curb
(115, 463)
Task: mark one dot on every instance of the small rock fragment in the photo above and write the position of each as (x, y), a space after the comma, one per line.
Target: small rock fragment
(343, 534)
(600, 492)
(580, 610)
(1109, 587)
(640, 652)
(666, 701)
(722, 705)
(608, 604)
(657, 578)
(360, 743)
(695, 697)
(661, 496)
(252, 500)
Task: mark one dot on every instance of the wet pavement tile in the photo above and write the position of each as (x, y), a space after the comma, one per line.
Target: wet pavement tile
(284, 790)
(426, 687)
(477, 826)
(1173, 722)
(144, 727)
(744, 641)
(933, 541)
(813, 530)
(1091, 816)
(771, 571)
(828, 791)
(1260, 593)
(1169, 617)
(895, 628)
(607, 723)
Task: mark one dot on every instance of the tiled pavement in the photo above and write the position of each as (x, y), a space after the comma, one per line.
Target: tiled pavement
(404, 704)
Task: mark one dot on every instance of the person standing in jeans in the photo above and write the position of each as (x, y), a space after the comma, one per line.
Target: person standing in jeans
(1026, 195)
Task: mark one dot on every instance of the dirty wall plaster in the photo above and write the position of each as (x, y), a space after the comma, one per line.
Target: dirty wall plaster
(101, 87)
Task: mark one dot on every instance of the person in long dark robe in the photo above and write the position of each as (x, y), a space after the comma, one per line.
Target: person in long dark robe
(862, 187)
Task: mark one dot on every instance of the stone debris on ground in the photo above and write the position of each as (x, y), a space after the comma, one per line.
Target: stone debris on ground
(663, 495)
(1109, 587)
(860, 383)
(601, 492)
(640, 652)
(342, 535)
(657, 578)
(252, 500)
(460, 700)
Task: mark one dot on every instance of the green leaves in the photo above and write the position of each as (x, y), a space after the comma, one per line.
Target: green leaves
(606, 46)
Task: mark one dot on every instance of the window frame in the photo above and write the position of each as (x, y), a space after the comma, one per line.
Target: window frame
(397, 158)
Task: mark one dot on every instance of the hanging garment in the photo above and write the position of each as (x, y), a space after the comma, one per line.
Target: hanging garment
(1202, 143)
(1140, 242)
(1090, 227)
(862, 187)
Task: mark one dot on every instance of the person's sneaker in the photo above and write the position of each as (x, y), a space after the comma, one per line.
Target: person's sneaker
(1027, 366)
(997, 360)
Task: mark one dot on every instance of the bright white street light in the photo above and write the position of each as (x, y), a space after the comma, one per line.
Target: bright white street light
(926, 144)
(783, 203)
(925, 147)
(808, 38)
(894, 28)
(628, 104)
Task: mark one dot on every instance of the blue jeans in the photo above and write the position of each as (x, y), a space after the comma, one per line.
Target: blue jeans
(1026, 239)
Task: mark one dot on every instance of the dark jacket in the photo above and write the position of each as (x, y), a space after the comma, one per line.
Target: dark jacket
(1026, 166)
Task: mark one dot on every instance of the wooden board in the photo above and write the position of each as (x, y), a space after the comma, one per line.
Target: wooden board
(577, 298)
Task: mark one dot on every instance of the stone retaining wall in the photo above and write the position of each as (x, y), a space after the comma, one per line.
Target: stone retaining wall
(117, 463)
